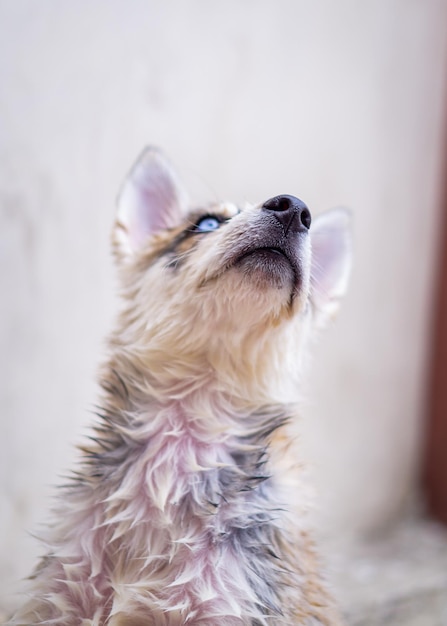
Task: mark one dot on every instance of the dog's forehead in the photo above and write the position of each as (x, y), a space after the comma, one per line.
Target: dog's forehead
(226, 210)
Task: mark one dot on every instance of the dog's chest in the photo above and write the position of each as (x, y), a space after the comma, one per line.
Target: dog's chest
(197, 525)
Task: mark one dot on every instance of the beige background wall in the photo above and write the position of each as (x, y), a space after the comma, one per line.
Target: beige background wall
(336, 102)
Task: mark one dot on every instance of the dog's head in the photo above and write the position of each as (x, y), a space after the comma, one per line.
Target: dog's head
(222, 288)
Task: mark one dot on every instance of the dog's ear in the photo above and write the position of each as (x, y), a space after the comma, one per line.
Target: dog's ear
(151, 199)
(331, 261)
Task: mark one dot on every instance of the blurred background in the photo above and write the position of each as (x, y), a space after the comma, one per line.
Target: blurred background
(339, 103)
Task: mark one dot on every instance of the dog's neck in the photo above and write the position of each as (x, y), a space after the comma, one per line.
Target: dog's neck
(200, 403)
(237, 372)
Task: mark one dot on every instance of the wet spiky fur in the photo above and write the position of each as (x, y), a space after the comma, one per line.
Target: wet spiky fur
(186, 506)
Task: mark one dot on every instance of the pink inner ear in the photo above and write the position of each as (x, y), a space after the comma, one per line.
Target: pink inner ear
(327, 251)
(150, 205)
(151, 199)
(330, 256)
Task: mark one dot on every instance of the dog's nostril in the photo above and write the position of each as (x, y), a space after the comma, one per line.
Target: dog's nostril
(284, 203)
(288, 209)
(278, 203)
(305, 218)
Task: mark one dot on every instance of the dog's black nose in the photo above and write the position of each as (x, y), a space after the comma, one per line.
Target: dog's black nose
(290, 211)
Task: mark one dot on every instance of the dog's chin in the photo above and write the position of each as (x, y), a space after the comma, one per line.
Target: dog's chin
(269, 268)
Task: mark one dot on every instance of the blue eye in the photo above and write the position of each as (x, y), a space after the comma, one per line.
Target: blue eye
(207, 224)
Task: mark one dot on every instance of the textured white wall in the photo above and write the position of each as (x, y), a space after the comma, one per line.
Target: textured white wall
(336, 102)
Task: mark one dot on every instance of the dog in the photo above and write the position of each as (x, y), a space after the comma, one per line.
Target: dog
(185, 506)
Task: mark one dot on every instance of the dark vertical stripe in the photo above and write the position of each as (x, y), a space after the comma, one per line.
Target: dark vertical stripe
(435, 461)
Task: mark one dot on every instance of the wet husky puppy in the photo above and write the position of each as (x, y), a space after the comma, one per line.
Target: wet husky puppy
(185, 508)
